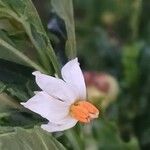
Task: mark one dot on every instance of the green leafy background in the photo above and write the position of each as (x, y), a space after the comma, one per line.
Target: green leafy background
(112, 36)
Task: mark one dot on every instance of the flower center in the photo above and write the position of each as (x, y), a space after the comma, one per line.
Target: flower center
(84, 111)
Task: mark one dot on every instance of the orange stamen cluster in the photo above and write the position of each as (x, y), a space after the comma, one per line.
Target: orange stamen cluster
(84, 111)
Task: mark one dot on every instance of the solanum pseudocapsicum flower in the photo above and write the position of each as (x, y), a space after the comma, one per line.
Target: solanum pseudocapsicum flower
(62, 102)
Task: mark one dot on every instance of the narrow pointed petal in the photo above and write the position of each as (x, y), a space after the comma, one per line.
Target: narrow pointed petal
(67, 123)
(47, 106)
(55, 87)
(72, 74)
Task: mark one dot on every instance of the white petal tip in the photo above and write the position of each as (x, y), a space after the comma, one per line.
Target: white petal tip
(75, 60)
(36, 73)
(22, 103)
(36, 92)
(44, 127)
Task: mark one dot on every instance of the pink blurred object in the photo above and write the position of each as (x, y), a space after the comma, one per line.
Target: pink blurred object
(99, 80)
(102, 88)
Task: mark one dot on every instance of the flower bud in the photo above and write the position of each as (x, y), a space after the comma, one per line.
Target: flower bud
(102, 88)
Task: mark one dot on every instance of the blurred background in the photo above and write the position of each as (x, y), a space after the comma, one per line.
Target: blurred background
(113, 44)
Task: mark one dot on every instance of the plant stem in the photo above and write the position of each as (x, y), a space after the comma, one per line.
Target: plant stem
(134, 23)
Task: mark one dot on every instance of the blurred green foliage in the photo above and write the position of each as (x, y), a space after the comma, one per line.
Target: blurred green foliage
(113, 36)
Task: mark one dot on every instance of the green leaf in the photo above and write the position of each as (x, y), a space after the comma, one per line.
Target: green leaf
(15, 80)
(6, 129)
(9, 45)
(24, 12)
(2, 87)
(64, 9)
(7, 54)
(32, 139)
(13, 114)
(16, 85)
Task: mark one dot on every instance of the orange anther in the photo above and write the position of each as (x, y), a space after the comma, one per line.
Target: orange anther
(84, 111)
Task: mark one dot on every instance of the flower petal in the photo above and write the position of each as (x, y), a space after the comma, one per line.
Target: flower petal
(67, 123)
(47, 106)
(72, 74)
(55, 87)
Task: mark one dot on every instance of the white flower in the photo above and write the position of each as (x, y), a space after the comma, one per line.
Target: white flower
(62, 102)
